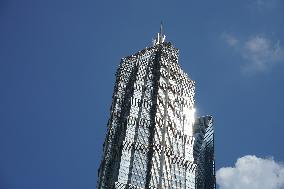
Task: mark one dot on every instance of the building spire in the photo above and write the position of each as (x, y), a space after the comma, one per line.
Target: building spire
(161, 37)
(161, 30)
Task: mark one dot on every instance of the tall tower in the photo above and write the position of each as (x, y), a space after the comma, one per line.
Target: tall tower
(153, 138)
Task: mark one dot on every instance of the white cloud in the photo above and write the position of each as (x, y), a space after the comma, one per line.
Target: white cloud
(251, 172)
(260, 53)
(265, 4)
(230, 39)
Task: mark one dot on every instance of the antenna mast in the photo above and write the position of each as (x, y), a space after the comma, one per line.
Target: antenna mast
(161, 37)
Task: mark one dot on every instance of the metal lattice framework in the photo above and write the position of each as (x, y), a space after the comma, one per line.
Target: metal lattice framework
(153, 139)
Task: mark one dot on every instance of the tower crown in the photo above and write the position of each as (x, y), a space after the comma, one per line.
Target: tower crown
(160, 37)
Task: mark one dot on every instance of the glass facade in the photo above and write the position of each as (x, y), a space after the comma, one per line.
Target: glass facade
(153, 138)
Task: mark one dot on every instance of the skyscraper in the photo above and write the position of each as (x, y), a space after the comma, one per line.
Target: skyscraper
(153, 138)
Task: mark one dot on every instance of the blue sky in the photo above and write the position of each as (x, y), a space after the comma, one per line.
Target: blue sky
(57, 65)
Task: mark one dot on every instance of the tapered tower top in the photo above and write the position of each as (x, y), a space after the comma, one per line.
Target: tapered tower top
(160, 37)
